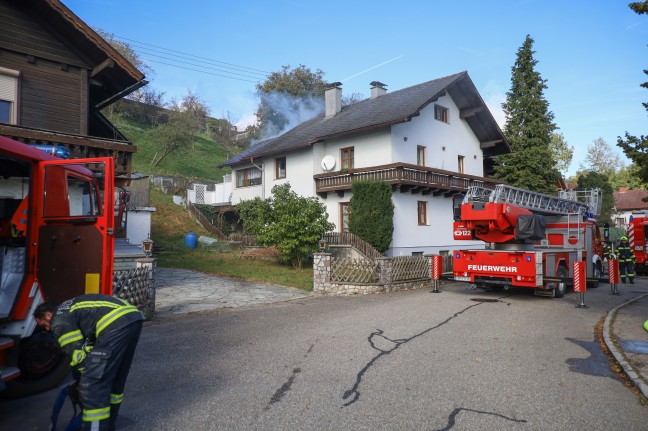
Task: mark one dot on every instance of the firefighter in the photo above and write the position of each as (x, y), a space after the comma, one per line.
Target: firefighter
(626, 260)
(607, 250)
(100, 334)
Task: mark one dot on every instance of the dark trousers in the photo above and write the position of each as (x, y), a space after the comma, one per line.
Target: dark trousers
(102, 383)
(626, 269)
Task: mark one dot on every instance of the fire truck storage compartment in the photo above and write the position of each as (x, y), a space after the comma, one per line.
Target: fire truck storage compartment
(12, 257)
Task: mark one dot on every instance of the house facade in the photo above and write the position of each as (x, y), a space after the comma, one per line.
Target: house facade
(56, 75)
(626, 202)
(429, 142)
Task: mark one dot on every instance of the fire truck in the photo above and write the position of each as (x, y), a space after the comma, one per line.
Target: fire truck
(532, 238)
(56, 242)
(637, 234)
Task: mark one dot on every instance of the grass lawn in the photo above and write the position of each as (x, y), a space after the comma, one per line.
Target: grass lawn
(171, 222)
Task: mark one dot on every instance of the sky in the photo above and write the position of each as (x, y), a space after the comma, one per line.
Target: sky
(591, 53)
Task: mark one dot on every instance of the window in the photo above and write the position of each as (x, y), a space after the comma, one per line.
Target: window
(280, 167)
(460, 164)
(422, 213)
(346, 155)
(420, 155)
(345, 212)
(417, 254)
(79, 199)
(441, 113)
(248, 177)
(5, 111)
(8, 95)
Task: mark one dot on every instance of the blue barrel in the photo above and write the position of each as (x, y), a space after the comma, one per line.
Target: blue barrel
(191, 241)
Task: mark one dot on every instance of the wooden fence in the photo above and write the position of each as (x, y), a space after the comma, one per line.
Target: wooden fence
(347, 238)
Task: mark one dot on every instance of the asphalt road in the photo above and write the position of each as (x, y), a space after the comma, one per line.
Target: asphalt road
(462, 359)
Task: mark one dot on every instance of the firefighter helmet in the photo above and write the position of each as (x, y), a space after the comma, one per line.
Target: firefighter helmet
(623, 238)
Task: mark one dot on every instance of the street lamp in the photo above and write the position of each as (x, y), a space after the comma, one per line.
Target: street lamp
(322, 245)
(147, 246)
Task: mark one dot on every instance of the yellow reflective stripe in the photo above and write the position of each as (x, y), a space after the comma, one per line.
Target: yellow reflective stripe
(116, 398)
(96, 414)
(94, 304)
(70, 337)
(114, 315)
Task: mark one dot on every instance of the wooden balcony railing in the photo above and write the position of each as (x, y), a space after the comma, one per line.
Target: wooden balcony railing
(404, 176)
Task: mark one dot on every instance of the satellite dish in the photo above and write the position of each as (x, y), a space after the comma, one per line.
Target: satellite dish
(328, 163)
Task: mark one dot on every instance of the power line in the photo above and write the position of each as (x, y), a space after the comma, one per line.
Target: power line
(231, 65)
(201, 71)
(201, 65)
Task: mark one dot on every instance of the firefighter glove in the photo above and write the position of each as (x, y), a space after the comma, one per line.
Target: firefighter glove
(78, 356)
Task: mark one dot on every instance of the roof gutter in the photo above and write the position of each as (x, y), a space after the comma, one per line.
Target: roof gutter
(115, 97)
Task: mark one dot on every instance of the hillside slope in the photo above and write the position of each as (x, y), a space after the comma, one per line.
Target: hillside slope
(199, 163)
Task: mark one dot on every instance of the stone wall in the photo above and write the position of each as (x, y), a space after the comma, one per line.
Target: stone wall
(322, 279)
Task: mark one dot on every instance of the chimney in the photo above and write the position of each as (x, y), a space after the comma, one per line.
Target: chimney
(377, 89)
(333, 99)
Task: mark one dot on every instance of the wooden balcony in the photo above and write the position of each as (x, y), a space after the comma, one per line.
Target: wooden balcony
(80, 146)
(403, 177)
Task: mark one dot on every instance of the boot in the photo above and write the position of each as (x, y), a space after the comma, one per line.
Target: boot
(114, 410)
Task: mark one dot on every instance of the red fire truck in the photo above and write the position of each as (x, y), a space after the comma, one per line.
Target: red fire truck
(56, 242)
(637, 234)
(532, 239)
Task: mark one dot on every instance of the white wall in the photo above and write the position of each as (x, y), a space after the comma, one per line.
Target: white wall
(456, 136)
(138, 224)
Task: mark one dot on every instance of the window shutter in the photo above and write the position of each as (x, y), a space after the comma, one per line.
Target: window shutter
(8, 88)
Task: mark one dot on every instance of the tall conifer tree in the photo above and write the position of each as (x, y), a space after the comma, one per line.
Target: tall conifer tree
(529, 125)
(636, 147)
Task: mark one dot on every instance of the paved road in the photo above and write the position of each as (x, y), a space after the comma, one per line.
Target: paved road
(462, 359)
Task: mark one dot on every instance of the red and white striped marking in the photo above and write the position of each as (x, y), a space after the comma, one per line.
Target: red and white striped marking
(580, 284)
(437, 267)
(613, 271)
(631, 238)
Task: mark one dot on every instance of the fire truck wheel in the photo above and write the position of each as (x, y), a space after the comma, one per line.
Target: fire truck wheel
(42, 364)
(598, 273)
(561, 287)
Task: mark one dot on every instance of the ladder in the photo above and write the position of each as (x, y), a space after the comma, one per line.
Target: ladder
(570, 202)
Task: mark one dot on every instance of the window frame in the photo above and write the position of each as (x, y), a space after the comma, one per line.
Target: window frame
(422, 215)
(244, 181)
(441, 113)
(345, 209)
(461, 165)
(347, 158)
(278, 175)
(9, 92)
(420, 155)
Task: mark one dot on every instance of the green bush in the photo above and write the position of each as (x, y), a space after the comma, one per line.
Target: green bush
(372, 213)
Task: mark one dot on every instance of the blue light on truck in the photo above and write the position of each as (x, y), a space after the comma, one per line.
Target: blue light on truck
(457, 256)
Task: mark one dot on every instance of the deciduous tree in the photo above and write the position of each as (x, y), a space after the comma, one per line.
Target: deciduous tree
(289, 97)
(601, 158)
(597, 180)
(529, 125)
(291, 223)
(562, 152)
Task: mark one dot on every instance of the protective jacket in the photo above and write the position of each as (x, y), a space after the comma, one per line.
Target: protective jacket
(625, 253)
(100, 334)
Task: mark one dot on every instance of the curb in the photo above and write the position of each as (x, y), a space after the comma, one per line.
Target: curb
(620, 358)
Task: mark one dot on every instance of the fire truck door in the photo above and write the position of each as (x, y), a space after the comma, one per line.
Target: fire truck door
(75, 228)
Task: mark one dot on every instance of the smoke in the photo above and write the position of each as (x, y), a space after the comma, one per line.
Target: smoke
(284, 112)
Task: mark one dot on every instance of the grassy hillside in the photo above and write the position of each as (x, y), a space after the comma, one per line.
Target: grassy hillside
(201, 162)
(170, 224)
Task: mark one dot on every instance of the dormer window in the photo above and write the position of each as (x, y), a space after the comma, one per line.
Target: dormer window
(441, 113)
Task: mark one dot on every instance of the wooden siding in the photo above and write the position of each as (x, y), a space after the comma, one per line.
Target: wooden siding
(21, 33)
(49, 98)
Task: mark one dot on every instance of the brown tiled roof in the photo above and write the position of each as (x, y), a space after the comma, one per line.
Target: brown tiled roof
(630, 200)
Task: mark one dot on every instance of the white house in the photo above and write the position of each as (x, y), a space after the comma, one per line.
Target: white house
(429, 141)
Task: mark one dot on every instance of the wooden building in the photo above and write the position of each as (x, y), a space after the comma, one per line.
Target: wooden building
(56, 75)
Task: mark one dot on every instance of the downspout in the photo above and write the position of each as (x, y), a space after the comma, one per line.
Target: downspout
(262, 176)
